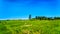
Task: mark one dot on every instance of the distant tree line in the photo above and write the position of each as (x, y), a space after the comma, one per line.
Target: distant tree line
(46, 18)
(43, 18)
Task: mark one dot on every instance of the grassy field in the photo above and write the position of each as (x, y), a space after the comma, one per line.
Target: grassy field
(29, 27)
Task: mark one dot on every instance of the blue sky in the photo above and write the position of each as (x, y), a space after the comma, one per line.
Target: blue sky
(22, 8)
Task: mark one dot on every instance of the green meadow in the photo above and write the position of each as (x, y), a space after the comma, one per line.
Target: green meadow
(29, 26)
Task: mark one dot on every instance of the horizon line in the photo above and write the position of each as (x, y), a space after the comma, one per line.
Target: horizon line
(14, 19)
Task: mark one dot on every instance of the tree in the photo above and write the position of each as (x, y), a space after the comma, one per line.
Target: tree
(56, 17)
(29, 16)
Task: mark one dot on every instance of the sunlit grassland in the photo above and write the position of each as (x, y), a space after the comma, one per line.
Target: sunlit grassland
(30, 27)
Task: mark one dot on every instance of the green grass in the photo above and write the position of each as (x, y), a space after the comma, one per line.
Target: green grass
(30, 27)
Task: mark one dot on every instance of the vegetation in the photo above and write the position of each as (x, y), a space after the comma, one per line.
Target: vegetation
(46, 18)
(30, 17)
(37, 25)
(29, 26)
